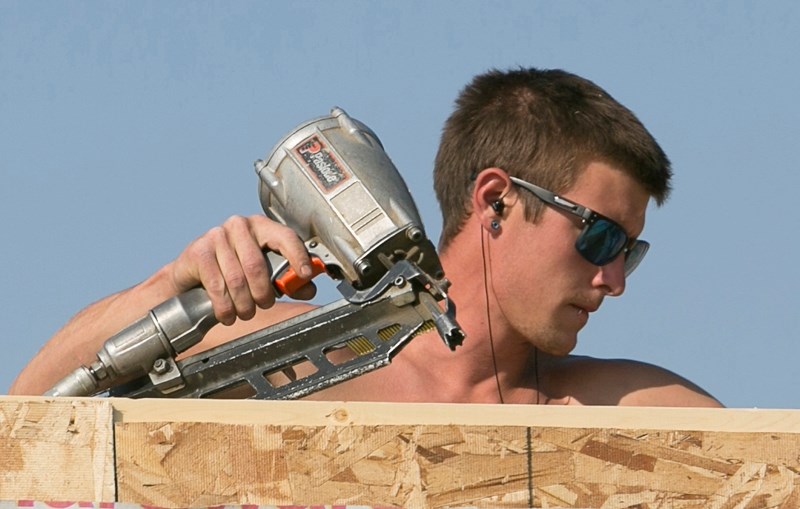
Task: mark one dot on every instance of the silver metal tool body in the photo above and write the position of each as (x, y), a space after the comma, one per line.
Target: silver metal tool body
(147, 346)
(330, 181)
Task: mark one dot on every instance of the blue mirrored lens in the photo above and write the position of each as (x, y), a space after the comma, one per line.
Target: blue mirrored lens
(601, 241)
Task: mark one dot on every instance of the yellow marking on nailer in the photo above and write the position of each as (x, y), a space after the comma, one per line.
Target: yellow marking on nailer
(387, 332)
(425, 327)
(360, 345)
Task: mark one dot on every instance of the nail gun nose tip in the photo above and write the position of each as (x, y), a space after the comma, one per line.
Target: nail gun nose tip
(454, 338)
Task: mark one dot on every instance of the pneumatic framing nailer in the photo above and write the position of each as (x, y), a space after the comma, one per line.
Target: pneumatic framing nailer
(332, 183)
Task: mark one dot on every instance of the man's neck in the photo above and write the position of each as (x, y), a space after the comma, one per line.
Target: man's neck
(494, 362)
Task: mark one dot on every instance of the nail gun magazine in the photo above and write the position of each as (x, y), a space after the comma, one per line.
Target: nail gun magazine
(331, 181)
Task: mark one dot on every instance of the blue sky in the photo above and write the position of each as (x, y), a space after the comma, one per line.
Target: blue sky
(129, 128)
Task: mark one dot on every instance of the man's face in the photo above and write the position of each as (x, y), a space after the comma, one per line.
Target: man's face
(545, 289)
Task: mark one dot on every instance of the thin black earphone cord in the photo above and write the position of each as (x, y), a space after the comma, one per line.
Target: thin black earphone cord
(491, 336)
(489, 320)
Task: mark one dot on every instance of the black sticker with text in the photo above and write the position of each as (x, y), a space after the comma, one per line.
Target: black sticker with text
(322, 162)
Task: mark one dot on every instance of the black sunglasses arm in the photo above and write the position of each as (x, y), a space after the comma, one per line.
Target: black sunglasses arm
(554, 199)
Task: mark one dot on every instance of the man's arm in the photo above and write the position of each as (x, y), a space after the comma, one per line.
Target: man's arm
(227, 261)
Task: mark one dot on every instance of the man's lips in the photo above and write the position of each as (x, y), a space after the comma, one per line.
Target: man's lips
(587, 308)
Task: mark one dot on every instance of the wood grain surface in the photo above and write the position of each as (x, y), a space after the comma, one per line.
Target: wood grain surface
(61, 449)
(177, 453)
(189, 464)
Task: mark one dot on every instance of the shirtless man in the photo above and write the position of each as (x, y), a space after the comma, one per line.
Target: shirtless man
(527, 266)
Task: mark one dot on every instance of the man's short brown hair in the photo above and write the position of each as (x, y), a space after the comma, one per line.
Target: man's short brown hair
(544, 126)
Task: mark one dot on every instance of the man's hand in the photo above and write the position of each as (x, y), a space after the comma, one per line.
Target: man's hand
(229, 262)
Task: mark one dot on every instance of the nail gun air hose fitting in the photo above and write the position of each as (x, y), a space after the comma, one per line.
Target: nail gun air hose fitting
(168, 329)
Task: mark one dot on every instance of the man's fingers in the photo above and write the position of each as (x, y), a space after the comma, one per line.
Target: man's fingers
(245, 269)
(252, 263)
(283, 240)
(236, 281)
(204, 256)
(229, 262)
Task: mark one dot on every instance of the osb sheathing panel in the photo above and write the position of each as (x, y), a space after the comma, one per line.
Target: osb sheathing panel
(665, 469)
(191, 464)
(58, 449)
(195, 453)
(186, 464)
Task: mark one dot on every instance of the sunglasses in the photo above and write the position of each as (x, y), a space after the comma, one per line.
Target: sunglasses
(602, 239)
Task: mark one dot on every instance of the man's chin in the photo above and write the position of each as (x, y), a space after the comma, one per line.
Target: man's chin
(560, 347)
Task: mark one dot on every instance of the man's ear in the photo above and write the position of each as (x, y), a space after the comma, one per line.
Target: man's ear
(489, 197)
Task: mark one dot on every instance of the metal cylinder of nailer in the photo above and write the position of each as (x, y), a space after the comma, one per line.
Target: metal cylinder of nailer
(170, 328)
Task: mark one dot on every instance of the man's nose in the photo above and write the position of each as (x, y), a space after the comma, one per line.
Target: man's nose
(611, 276)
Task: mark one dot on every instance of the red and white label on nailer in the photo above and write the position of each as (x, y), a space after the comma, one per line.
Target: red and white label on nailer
(321, 163)
(37, 504)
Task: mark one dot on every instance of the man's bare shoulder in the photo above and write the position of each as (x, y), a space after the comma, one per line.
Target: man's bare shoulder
(591, 381)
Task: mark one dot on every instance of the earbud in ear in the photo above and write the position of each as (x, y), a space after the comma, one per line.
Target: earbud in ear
(498, 206)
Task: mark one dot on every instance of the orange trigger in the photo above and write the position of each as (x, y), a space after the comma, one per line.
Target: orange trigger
(290, 282)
